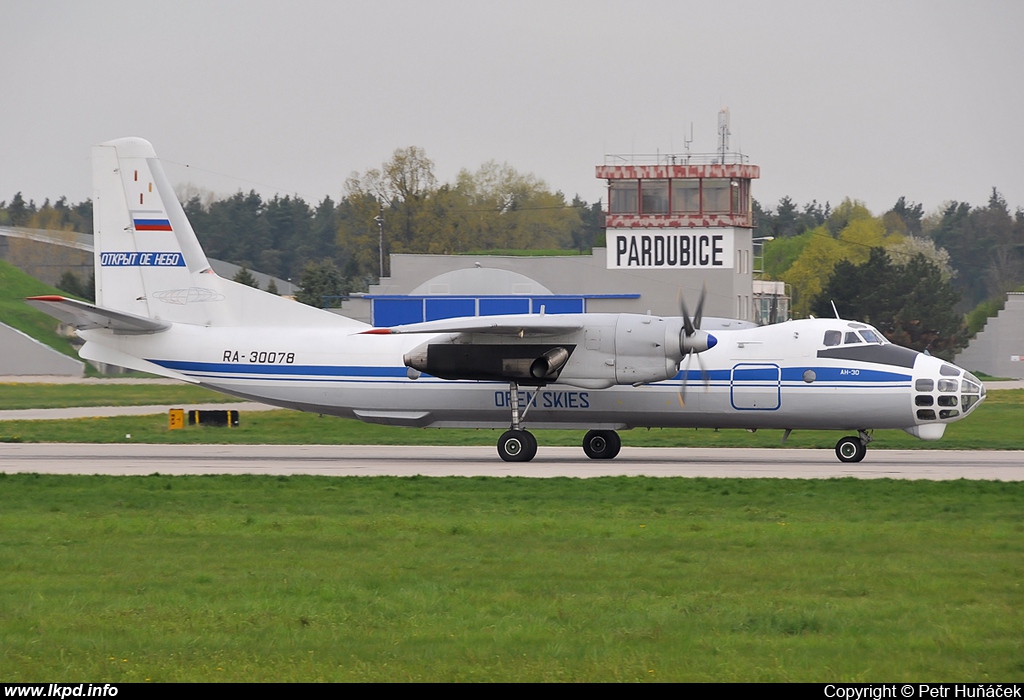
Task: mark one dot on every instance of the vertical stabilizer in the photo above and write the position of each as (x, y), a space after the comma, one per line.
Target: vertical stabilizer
(149, 262)
(146, 251)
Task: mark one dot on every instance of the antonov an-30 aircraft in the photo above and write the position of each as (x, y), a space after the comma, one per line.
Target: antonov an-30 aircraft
(161, 309)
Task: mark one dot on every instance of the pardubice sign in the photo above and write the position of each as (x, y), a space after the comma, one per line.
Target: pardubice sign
(684, 248)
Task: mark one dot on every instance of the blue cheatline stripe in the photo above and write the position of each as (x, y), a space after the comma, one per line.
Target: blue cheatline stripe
(312, 370)
(836, 374)
(793, 374)
(825, 376)
(694, 375)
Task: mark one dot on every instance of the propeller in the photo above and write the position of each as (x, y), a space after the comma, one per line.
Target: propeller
(693, 341)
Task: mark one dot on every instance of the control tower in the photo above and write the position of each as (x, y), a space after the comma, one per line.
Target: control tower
(688, 213)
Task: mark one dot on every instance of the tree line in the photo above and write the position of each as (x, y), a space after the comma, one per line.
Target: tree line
(911, 274)
(58, 216)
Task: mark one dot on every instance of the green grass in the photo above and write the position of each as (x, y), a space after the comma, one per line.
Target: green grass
(19, 396)
(119, 579)
(993, 425)
(15, 286)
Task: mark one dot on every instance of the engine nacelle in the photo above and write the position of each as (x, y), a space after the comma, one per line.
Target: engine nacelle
(646, 349)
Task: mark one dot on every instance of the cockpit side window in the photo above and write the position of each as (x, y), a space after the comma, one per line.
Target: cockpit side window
(870, 336)
(852, 337)
(833, 338)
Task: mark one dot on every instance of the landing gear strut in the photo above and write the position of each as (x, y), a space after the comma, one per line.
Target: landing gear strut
(602, 444)
(853, 449)
(516, 444)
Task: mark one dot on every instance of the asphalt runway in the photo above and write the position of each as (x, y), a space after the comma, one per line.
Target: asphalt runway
(360, 460)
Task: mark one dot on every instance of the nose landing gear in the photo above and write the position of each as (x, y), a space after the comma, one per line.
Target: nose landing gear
(853, 449)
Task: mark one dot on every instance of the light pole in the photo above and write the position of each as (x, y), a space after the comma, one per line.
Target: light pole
(380, 229)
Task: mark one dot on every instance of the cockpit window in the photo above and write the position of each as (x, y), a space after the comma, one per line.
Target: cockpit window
(949, 386)
(949, 371)
(870, 336)
(852, 337)
(833, 338)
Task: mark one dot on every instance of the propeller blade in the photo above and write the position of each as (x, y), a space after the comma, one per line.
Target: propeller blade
(700, 306)
(685, 366)
(704, 374)
(687, 323)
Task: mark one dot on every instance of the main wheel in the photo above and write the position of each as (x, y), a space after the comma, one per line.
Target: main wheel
(851, 449)
(517, 446)
(602, 444)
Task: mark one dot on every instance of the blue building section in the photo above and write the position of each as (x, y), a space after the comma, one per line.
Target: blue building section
(394, 310)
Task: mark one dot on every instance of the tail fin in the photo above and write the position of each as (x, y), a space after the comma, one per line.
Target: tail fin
(149, 262)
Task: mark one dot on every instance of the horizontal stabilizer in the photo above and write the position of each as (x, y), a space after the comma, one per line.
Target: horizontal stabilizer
(85, 316)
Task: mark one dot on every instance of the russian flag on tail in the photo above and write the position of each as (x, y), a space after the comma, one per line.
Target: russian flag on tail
(152, 224)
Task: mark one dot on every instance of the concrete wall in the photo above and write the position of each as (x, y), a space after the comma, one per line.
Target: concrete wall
(998, 349)
(23, 355)
(46, 255)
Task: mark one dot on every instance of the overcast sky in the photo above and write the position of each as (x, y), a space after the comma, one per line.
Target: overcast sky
(870, 100)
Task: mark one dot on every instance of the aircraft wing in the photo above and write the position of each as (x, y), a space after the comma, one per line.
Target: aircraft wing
(520, 325)
(85, 316)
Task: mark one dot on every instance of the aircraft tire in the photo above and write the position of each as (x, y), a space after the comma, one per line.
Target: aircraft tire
(851, 449)
(517, 446)
(602, 444)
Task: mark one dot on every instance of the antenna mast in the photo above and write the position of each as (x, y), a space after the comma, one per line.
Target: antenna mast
(723, 133)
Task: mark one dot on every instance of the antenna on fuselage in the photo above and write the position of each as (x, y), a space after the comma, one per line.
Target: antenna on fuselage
(834, 309)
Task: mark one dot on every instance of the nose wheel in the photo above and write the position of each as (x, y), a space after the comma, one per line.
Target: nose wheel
(853, 449)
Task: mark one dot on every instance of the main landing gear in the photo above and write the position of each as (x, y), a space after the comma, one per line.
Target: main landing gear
(518, 445)
(853, 449)
(602, 444)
